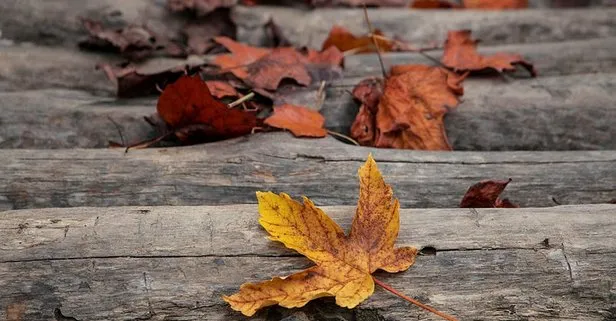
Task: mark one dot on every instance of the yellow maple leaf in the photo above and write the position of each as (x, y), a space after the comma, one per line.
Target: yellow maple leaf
(344, 264)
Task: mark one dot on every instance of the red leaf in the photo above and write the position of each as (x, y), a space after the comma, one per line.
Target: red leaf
(188, 102)
(485, 195)
(301, 121)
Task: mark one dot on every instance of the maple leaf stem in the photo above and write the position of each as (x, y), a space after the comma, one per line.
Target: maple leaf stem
(241, 100)
(376, 45)
(413, 301)
(345, 137)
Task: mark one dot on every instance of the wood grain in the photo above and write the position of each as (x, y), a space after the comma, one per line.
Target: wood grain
(175, 262)
(230, 172)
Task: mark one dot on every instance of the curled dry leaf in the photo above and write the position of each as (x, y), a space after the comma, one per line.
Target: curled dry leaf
(461, 54)
(133, 42)
(300, 121)
(188, 103)
(410, 112)
(485, 194)
(495, 4)
(344, 264)
(200, 7)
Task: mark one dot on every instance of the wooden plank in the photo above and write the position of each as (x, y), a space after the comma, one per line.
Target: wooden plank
(550, 59)
(22, 65)
(53, 22)
(230, 172)
(175, 262)
(552, 113)
(421, 26)
(61, 118)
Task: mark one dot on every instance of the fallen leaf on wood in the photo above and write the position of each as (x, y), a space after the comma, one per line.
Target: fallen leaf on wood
(461, 54)
(344, 264)
(433, 4)
(368, 92)
(221, 89)
(241, 56)
(200, 7)
(485, 194)
(344, 40)
(262, 68)
(188, 103)
(133, 42)
(268, 71)
(300, 121)
(495, 4)
(410, 111)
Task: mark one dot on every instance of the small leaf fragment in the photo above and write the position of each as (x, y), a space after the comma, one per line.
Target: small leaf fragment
(485, 194)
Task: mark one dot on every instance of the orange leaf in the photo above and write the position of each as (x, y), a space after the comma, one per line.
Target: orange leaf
(221, 89)
(344, 263)
(268, 71)
(188, 102)
(241, 56)
(263, 68)
(486, 194)
(461, 54)
(495, 4)
(344, 40)
(410, 112)
(301, 121)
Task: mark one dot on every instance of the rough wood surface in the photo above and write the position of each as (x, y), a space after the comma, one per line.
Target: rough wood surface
(21, 66)
(229, 172)
(419, 26)
(171, 263)
(53, 22)
(552, 113)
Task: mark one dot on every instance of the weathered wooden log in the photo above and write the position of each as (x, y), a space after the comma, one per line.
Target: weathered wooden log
(55, 22)
(230, 172)
(59, 118)
(164, 263)
(21, 66)
(422, 27)
(559, 113)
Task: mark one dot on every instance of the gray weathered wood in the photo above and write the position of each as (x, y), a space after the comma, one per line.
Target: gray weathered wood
(554, 113)
(425, 26)
(21, 66)
(62, 118)
(54, 22)
(230, 172)
(163, 263)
